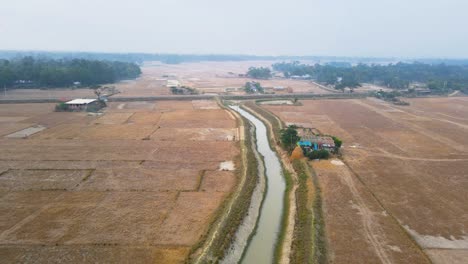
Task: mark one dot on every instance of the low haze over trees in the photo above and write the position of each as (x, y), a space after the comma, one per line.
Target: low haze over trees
(172, 58)
(31, 72)
(439, 78)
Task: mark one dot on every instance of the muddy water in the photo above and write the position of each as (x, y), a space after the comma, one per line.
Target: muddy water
(262, 245)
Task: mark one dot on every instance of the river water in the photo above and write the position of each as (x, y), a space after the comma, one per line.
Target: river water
(262, 246)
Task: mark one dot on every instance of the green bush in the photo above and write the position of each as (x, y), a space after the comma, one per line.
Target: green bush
(318, 154)
(289, 137)
(96, 107)
(338, 142)
(62, 107)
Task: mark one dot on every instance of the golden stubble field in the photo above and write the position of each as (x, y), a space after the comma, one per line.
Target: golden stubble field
(400, 196)
(140, 183)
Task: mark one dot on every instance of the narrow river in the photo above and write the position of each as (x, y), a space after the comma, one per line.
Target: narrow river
(261, 247)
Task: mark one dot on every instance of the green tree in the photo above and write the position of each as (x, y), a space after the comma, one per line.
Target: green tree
(289, 137)
(253, 87)
(259, 73)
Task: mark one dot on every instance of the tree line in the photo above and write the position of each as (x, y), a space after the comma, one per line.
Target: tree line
(437, 77)
(30, 72)
(259, 73)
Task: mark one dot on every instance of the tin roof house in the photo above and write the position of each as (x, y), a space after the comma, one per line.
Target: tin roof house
(314, 142)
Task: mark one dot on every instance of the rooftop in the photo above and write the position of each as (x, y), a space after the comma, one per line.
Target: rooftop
(317, 139)
(81, 101)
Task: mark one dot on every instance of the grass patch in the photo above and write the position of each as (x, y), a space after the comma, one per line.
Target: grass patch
(319, 237)
(284, 217)
(303, 244)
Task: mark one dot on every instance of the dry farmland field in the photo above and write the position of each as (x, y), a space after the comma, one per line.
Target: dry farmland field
(139, 183)
(206, 77)
(401, 194)
(217, 77)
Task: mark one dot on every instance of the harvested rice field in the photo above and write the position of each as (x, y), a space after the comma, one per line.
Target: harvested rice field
(140, 183)
(400, 195)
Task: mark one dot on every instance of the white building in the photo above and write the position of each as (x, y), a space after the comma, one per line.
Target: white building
(80, 104)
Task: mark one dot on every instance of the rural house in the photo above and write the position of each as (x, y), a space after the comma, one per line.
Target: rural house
(313, 142)
(80, 104)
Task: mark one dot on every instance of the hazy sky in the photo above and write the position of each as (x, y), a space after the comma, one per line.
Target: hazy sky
(402, 28)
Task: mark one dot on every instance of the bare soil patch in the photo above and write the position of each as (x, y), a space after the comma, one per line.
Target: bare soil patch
(24, 133)
(204, 104)
(142, 179)
(130, 131)
(113, 118)
(218, 181)
(16, 180)
(11, 127)
(165, 106)
(150, 118)
(192, 119)
(203, 134)
(143, 106)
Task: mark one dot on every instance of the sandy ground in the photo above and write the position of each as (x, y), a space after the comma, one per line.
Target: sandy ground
(404, 179)
(112, 188)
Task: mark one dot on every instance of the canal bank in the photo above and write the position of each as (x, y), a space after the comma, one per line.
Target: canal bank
(261, 248)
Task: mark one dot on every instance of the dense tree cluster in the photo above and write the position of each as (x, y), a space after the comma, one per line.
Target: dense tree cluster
(440, 77)
(33, 72)
(259, 73)
(183, 90)
(392, 96)
(253, 87)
